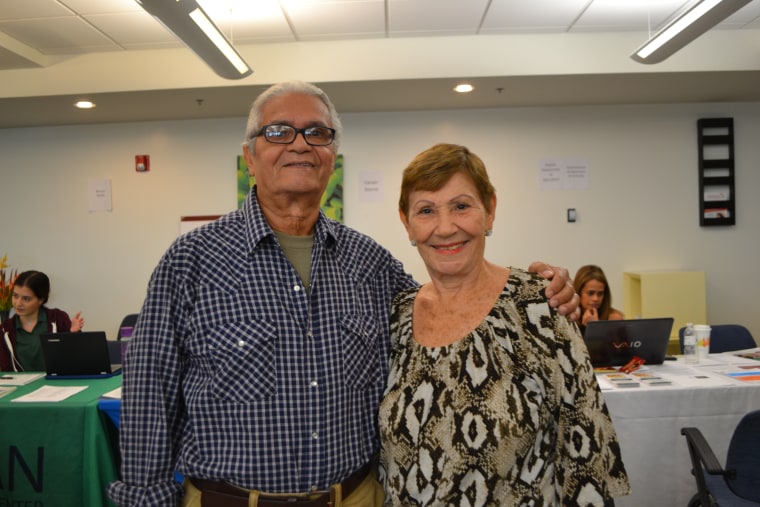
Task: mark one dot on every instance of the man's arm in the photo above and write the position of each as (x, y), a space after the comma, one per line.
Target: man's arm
(151, 407)
(560, 291)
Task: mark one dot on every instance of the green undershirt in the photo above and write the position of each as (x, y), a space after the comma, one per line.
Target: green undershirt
(297, 249)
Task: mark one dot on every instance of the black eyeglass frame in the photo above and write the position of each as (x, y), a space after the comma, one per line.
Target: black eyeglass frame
(302, 131)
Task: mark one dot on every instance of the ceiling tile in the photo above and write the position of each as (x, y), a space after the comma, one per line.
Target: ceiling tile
(63, 35)
(85, 7)
(321, 19)
(133, 30)
(246, 21)
(24, 9)
(611, 15)
(748, 16)
(417, 17)
(516, 16)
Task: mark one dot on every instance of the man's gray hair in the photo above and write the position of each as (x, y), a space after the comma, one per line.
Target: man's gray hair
(254, 117)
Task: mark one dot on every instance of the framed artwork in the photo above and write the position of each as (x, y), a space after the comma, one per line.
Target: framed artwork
(332, 199)
(188, 223)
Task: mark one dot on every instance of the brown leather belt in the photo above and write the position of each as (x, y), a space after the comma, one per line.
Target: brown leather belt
(223, 494)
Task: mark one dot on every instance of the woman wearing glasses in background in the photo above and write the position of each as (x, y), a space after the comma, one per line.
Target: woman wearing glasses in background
(596, 298)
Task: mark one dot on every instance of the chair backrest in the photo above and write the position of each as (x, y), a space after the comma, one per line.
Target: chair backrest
(744, 457)
(726, 337)
(114, 351)
(128, 321)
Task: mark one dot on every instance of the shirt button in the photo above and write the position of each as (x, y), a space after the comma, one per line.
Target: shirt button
(313, 383)
(296, 288)
(315, 435)
(241, 343)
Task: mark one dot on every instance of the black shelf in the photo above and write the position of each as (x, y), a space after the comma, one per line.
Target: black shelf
(717, 200)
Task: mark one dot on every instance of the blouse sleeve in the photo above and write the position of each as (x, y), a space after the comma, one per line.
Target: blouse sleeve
(591, 467)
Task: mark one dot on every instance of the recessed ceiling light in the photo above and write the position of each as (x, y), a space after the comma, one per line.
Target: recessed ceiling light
(464, 88)
(84, 104)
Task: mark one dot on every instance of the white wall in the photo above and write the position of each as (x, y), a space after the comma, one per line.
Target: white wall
(639, 212)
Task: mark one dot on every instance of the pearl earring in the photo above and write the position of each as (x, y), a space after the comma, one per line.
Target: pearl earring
(489, 232)
(413, 243)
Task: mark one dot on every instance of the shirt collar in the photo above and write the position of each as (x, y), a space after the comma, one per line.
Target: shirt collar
(257, 227)
(41, 318)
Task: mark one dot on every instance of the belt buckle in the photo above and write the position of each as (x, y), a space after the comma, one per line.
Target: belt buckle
(330, 493)
(311, 497)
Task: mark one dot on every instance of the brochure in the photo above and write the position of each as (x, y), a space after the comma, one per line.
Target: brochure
(18, 379)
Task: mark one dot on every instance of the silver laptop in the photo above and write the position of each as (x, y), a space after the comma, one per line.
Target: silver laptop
(615, 342)
(77, 355)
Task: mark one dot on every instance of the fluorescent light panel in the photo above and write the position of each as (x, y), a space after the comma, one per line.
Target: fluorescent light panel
(686, 27)
(190, 24)
(208, 27)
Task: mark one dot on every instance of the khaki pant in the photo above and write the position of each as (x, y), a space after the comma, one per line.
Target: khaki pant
(368, 494)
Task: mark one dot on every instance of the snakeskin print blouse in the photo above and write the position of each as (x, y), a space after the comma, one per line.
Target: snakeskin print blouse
(509, 415)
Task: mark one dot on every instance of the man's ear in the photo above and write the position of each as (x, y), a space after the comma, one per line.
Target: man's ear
(248, 156)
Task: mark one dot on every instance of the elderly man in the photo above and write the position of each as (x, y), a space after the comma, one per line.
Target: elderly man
(260, 354)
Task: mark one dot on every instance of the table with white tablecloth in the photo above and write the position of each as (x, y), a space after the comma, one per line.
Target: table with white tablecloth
(648, 420)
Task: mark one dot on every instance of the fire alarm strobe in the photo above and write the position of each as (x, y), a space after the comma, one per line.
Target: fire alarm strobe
(142, 163)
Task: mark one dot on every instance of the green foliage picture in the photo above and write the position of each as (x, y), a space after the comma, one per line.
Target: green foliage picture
(332, 199)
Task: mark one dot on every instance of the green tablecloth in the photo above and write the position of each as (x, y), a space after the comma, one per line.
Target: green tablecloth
(60, 454)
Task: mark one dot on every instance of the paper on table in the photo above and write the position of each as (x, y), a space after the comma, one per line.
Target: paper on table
(747, 354)
(704, 379)
(19, 379)
(115, 394)
(50, 393)
(6, 390)
(604, 384)
(744, 376)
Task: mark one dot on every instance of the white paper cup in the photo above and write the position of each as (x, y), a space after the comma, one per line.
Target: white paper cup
(702, 332)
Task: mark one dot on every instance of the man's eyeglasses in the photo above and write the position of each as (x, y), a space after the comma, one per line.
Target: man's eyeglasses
(285, 134)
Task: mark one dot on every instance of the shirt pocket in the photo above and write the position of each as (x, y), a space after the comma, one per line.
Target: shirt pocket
(245, 368)
(360, 351)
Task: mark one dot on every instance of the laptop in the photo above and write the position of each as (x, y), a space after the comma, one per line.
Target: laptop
(615, 342)
(77, 355)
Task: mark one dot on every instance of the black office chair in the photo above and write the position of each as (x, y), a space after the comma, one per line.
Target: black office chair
(736, 485)
(726, 337)
(114, 351)
(128, 321)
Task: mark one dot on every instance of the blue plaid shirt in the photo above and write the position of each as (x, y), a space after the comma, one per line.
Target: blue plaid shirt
(236, 372)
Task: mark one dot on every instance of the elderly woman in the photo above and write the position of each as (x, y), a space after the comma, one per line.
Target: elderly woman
(491, 398)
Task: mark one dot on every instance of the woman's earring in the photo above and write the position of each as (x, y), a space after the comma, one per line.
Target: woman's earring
(489, 232)
(413, 243)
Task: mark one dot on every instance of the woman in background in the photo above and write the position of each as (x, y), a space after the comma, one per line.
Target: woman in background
(20, 343)
(491, 398)
(596, 298)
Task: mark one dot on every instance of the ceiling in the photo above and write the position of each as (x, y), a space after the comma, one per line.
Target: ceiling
(54, 51)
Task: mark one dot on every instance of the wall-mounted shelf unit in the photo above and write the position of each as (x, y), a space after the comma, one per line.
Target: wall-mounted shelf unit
(717, 200)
